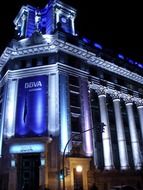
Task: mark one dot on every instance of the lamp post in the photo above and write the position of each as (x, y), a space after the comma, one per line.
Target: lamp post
(102, 125)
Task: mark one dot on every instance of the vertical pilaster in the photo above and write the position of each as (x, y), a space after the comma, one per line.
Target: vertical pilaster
(124, 164)
(64, 112)
(53, 104)
(133, 134)
(106, 136)
(86, 118)
(10, 109)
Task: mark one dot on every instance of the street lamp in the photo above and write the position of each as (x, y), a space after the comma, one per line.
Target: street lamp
(79, 168)
(102, 125)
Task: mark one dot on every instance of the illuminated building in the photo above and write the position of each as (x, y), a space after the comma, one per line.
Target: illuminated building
(54, 85)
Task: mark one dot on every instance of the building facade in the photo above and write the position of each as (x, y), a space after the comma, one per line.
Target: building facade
(63, 104)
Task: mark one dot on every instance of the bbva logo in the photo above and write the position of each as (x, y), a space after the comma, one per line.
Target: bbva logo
(33, 84)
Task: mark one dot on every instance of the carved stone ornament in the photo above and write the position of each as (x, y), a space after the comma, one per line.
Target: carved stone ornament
(101, 90)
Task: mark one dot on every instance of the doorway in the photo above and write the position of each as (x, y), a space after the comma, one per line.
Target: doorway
(28, 172)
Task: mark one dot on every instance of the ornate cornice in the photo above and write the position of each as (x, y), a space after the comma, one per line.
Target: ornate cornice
(117, 94)
(60, 45)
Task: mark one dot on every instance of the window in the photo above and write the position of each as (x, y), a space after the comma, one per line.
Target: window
(75, 124)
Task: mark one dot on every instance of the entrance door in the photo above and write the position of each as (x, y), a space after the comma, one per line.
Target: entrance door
(28, 172)
(78, 180)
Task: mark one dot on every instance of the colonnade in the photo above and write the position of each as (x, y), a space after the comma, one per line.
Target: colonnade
(120, 128)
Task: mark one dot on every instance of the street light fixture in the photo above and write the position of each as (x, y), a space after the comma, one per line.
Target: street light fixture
(79, 168)
(102, 125)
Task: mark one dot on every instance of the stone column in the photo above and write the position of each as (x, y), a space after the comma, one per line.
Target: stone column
(106, 136)
(140, 112)
(133, 133)
(123, 155)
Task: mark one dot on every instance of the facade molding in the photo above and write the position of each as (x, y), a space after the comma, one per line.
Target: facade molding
(59, 45)
(43, 70)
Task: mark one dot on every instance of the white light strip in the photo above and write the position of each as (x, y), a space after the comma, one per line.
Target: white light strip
(53, 99)
(27, 148)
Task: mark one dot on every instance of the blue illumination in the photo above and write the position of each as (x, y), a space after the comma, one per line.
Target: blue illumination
(98, 46)
(32, 106)
(131, 61)
(140, 65)
(27, 148)
(121, 56)
(86, 40)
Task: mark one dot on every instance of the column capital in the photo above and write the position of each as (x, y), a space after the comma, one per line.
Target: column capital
(115, 95)
(128, 99)
(101, 90)
(139, 103)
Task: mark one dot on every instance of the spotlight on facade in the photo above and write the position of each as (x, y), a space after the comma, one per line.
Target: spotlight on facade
(120, 56)
(86, 40)
(98, 46)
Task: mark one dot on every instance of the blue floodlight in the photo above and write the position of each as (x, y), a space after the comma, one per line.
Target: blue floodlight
(86, 40)
(121, 56)
(131, 61)
(140, 65)
(98, 46)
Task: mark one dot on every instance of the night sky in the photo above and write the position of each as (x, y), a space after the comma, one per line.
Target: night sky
(115, 25)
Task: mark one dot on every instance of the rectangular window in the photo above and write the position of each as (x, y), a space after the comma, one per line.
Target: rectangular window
(75, 123)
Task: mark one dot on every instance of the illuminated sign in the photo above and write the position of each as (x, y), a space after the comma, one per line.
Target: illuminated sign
(32, 106)
(33, 84)
(26, 148)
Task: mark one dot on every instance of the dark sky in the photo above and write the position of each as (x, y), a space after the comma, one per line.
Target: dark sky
(117, 25)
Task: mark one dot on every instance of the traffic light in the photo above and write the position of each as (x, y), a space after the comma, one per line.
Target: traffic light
(65, 173)
(61, 175)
